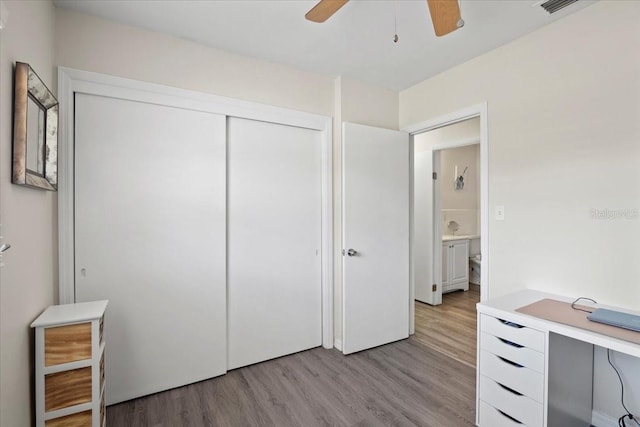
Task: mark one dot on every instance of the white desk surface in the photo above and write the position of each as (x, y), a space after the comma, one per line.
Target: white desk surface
(70, 313)
(508, 304)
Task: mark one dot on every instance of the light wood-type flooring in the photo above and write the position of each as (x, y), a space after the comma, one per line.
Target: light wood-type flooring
(405, 383)
(451, 327)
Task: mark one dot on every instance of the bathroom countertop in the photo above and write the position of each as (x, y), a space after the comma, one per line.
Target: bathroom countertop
(450, 237)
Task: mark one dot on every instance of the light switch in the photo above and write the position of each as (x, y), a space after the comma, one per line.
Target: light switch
(500, 213)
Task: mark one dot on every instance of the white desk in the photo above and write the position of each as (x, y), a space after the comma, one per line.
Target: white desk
(536, 372)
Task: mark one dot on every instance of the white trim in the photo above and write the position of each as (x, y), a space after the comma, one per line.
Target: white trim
(437, 226)
(447, 119)
(478, 110)
(455, 143)
(71, 81)
(39, 363)
(412, 227)
(69, 410)
(337, 258)
(327, 235)
(70, 366)
(122, 88)
(66, 274)
(343, 244)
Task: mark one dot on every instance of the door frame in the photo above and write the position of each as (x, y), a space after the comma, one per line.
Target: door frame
(481, 111)
(71, 81)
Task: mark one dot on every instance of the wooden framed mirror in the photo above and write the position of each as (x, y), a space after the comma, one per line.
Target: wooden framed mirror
(35, 131)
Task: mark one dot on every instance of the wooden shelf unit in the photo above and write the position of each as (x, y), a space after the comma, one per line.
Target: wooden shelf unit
(69, 359)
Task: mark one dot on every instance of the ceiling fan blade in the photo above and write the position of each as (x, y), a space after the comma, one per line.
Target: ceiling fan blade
(324, 9)
(445, 15)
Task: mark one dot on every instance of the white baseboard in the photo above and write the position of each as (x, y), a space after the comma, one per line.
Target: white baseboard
(598, 419)
(337, 343)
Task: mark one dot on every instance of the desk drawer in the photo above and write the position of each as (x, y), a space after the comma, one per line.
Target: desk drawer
(492, 417)
(510, 402)
(508, 373)
(524, 356)
(522, 335)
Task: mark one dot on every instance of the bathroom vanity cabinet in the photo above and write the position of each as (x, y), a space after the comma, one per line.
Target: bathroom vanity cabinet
(455, 265)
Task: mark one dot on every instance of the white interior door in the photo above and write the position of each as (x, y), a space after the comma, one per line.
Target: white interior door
(274, 240)
(424, 229)
(376, 233)
(150, 238)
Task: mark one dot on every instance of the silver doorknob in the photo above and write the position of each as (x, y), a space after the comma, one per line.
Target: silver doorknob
(352, 252)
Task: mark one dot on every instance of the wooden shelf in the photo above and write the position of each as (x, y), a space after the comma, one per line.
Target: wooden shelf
(69, 363)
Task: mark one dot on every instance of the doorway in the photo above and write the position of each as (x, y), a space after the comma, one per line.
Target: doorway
(447, 217)
(449, 225)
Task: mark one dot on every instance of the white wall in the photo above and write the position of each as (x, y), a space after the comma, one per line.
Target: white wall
(28, 280)
(93, 44)
(368, 104)
(462, 206)
(564, 138)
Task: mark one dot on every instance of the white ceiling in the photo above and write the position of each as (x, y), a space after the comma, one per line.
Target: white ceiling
(355, 43)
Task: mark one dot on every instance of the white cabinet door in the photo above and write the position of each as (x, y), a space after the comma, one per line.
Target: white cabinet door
(150, 237)
(459, 262)
(455, 265)
(274, 240)
(376, 236)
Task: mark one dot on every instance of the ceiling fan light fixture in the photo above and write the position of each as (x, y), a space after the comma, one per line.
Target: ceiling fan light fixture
(445, 14)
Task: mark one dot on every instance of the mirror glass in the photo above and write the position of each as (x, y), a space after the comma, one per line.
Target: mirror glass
(35, 137)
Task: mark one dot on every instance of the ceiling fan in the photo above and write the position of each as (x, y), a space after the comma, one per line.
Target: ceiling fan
(445, 14)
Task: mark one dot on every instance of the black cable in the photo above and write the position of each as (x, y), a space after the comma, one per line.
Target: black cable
(629, 415)
(573, 304)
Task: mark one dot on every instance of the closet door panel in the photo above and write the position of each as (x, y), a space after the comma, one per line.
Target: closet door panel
(150, 185)
(274, 232)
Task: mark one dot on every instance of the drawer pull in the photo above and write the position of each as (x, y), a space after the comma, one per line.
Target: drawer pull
(517, 365)
(509, 389)
(508, 416)
(511, 343)
(509, 323)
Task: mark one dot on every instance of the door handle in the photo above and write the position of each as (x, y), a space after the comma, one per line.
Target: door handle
(4, 247)
(352, 252)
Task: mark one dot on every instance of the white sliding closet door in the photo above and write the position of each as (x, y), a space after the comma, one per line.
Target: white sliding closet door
(274, 232)
(150, 237)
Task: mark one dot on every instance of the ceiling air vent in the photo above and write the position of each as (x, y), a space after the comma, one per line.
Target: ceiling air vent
(553, 6)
